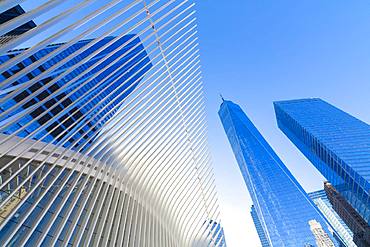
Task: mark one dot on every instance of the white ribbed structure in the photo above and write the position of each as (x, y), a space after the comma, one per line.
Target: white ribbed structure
(142, 177)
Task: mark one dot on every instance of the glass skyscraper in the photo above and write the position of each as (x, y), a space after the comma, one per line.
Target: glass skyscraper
(337, 144)
(286, 213)
(259, 228)
(110, 77)
(65, 119)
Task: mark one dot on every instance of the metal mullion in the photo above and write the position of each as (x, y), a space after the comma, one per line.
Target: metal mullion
(180, 143)
(64, 46)
(162, 114)
(7, 4)
(138, 110)
(168, 204)
(170, 212)
(26, 17)
(43, 148)
(98, 236)
(103, 47)
(120, 239)
(195, 232)
(100, 226)
(189, 191)
(42, 27)
(152, 89)
(82, 74)
(182, 167)
(143, 143)
(195, 218)
(105, 213)
(133, 225)
(179, 30)
(65, 198)
(154, 190)
(97, 213)
(107, 231)
(117, 219)
(117, 96)
(90, 109)
(153, 122)
(185, 126)
(73, 203)
(72, 68)
(181, 37)
(144, 225)
(128, 223)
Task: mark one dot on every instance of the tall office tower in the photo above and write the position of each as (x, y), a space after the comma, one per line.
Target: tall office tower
(336, 143)
(282, 206)
(345, 235)
(360, 229)
(257, 223)
(110, 78)
(102, 127)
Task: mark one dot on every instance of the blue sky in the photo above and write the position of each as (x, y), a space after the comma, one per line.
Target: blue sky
(256, 52)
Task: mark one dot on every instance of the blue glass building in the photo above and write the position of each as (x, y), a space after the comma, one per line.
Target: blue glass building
(283, 207)
(259, 228)
(64, 120)
(117, 78)
(337, 144)
(218, 236)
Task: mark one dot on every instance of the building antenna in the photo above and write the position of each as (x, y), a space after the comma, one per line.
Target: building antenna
(222, 98)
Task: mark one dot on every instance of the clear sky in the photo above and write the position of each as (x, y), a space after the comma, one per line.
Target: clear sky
(257, 51)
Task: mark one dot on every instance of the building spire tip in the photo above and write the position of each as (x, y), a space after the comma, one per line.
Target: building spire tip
(222, 98)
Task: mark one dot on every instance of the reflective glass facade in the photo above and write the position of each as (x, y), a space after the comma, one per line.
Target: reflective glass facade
(337, 144)
(218, 237)
(345, 235)
(281, 204)
(259, 228)
(64, 120)
(68, 107)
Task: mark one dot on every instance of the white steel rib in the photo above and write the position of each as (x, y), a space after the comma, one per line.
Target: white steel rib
(103, 134)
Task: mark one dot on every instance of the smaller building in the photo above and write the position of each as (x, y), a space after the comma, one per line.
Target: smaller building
(217, 235)
(345, 235)
(359, 227)
(259, 228)
(322, 238)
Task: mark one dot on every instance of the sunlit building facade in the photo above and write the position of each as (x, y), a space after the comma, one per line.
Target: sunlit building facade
(259, 228)
(282, 206)
(336, 143)
(102, 127)
(345, 235)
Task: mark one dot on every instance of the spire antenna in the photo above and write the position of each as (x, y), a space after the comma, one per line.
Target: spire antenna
(222, 98)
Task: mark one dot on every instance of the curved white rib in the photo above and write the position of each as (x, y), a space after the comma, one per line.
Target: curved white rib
(118, 154)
